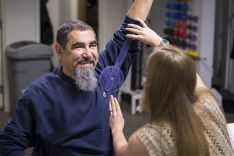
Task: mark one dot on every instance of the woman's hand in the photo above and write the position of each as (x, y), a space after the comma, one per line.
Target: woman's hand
(143, 34)
(116, 117)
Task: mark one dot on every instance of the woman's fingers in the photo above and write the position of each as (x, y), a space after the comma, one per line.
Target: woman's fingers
(114, 106)
(110, 106)
(136, 31)
(133, 36)
(117, 106)
(134, 26)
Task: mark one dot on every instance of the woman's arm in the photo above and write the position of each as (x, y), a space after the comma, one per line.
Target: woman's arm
(117, 124)
(121, 146)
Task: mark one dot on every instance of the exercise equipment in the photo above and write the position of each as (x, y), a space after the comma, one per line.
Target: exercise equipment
(170, 23)
(192, 27)
(169, 31)
(177, 6)
(192, 37)
(181, 25)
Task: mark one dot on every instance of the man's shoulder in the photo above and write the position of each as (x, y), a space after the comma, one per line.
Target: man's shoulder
(42, 83)
(45, 79)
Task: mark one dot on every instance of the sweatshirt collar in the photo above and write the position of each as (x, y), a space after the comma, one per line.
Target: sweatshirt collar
(59, 70)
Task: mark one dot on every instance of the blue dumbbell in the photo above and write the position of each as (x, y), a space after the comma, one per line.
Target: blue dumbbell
(170, 23)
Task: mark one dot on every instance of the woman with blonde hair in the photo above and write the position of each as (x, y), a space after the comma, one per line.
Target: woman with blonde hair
(186, 119)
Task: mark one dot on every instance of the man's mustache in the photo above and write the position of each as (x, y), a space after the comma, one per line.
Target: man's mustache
(83, 60)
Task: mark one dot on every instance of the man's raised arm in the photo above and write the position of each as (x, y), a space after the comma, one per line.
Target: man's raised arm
(140, 9)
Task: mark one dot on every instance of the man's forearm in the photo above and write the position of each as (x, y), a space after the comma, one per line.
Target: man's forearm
(140, 9)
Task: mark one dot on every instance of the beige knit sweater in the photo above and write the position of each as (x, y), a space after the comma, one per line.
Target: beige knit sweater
(159, 139)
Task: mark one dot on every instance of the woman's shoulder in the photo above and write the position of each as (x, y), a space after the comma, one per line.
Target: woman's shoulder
(209, 109)
(207, 102)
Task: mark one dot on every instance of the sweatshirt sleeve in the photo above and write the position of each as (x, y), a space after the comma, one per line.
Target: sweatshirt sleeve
(109, 55)
(16, 137)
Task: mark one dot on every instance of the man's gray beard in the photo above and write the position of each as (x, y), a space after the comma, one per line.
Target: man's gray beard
(85, 79)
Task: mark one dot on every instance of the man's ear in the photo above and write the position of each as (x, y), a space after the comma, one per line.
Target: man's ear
(58, 50)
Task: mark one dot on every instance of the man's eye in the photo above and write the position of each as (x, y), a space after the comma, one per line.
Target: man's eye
(93, 45)
(77, 46)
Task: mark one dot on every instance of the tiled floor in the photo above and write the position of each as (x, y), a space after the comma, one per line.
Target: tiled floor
(132, 122)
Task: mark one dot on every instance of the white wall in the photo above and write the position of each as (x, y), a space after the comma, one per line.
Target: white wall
(157, 16)
(20, 21)
(59, 12)
(207, 40)
(111, 14)
(67, 10)
(53, 10)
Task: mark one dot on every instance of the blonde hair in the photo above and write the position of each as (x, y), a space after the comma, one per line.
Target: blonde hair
(169, 94)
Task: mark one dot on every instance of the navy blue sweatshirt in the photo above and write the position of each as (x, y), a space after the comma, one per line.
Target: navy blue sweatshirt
(57, 119)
